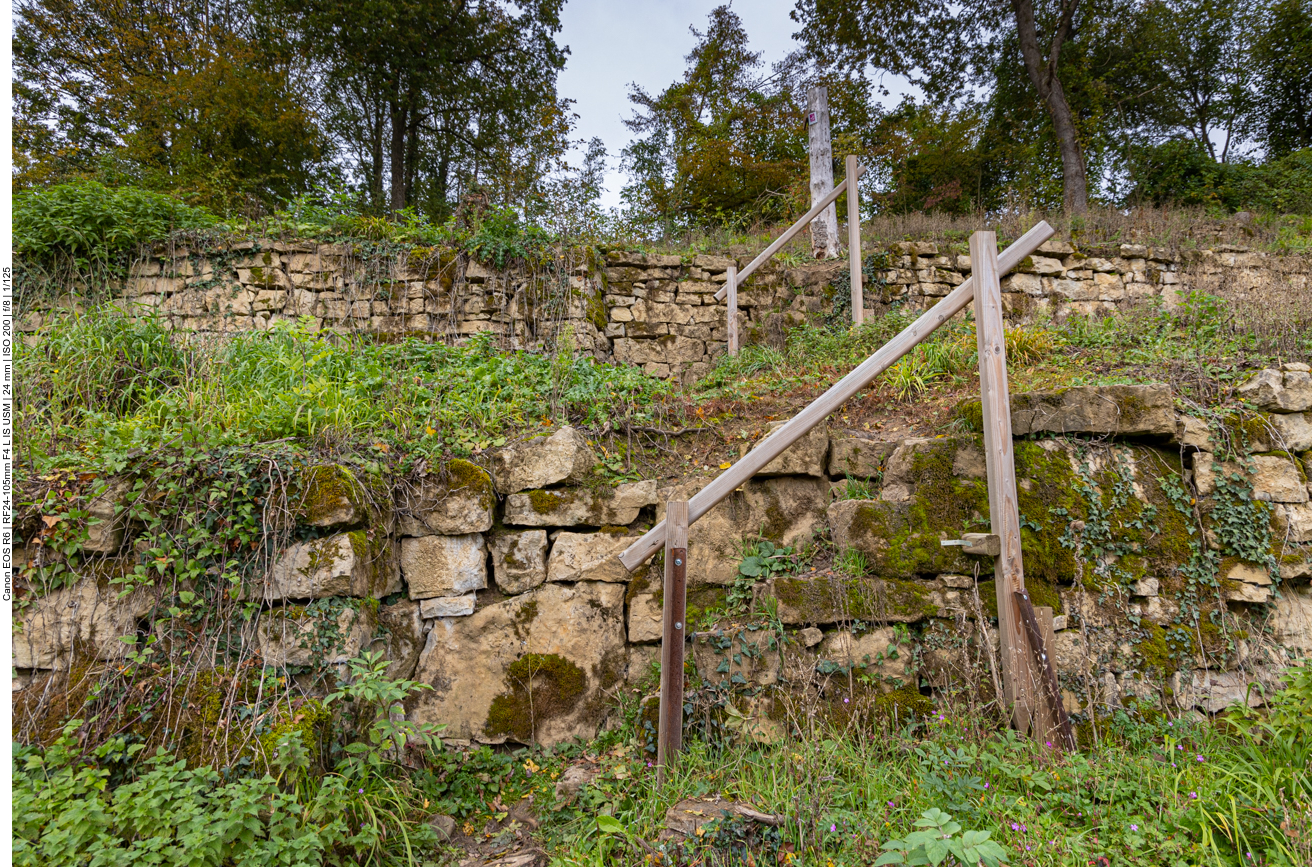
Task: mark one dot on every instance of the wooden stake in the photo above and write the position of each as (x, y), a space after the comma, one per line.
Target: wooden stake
(731, 284)
(824, 230)
(1019, 679)
(669, 736)
(1055, 724)
(838, 394)
(854, 242)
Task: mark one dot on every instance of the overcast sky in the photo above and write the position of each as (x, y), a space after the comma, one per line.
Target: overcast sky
(615, 42)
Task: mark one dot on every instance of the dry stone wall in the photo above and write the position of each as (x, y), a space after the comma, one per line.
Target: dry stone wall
(656, 311)
(1175, 551)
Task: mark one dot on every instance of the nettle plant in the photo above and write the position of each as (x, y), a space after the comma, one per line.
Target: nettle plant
(939, 838)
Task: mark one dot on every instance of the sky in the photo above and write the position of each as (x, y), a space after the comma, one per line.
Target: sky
(615, 42)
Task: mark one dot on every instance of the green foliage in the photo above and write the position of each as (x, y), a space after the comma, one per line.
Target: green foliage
(206, 101)
(1282, 59)
(938, 839)
(95, 224)
(67, 811)
(377, 712)
(501, 237)
(133, 386)
(1180, 172)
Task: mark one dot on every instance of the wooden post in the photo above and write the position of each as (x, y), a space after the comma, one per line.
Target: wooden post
(731, 284)
(824, 229)
(1019, 679)
(1054, 726)
(669, 736)
(854, 242)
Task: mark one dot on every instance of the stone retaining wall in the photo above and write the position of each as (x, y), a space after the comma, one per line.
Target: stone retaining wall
(657, 311)
(499, 586)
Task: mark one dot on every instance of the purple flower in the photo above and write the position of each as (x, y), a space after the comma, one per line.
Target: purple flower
(1015, 827)
(844, 701)
(986, 785)
(1200, 758)
(362, 791)
(1134, 827)
(833, 828)
(1193, 796)
(890, 803)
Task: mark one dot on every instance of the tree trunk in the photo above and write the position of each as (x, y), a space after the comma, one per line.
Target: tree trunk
(397, 155)
(412, 147)
(1043, 74)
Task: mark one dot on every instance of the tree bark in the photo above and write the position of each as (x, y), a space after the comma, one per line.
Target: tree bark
(1043, 74)
(397, 155)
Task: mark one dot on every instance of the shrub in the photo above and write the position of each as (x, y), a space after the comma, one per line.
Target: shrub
(95, 224)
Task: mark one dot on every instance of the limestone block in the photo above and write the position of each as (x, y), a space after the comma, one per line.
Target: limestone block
(1126, 410)
(588, 557)
(755, 656)
(444, 565)
(264, 278)
(1293, 431)
(663, 349)
(1251, 593)
(519, 560)
(455, 499)
(860, 457)
(533, 668)
(1215, 691)
(300, 636)
(1287, 390)
(447, 606)
(108, 517)
(1291, 621)
(836, 598)
(571, 507)
(1275, 479)
(359, 563)
(806, 457)
(331, 496)
(874, 654)
(565, 456)
(403, 626)
(716, 264)
(1293, 522)
(87, 616)
(645, 613)
(1234, 569)
(786, 510)
(1192, 433)
(1145, 587)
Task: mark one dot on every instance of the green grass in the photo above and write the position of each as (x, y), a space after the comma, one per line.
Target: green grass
(100, 386)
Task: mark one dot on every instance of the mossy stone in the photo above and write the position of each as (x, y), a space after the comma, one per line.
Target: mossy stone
(542, 686)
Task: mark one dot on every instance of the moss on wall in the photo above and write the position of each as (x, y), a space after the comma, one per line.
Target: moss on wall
(540, 687)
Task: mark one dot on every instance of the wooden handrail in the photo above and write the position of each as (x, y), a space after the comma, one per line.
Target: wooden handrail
(838, 394)
(802, 223)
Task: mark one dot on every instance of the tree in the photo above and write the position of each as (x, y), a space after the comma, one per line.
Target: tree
(938, 44)
(1189, 74)
(727, 143)
(1283, 54)
(424, 89)
(200, 97)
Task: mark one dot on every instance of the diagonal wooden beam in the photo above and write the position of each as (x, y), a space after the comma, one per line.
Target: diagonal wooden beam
(838, 394)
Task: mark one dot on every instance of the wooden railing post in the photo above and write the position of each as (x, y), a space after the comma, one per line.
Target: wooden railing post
(731, 284)
(669, 735)
(1019, 677)
(854, 242)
